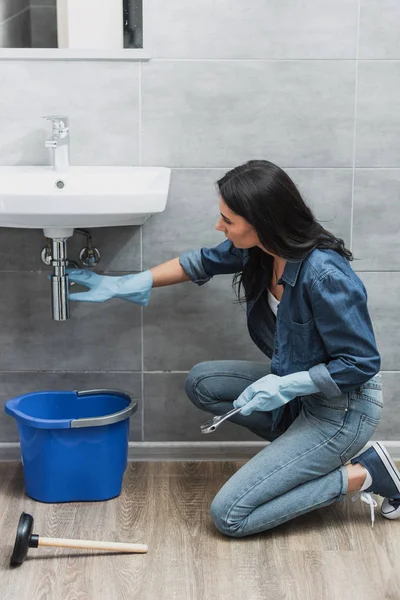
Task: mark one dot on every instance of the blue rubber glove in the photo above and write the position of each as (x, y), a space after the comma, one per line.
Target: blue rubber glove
(134, 288)
(271, 392)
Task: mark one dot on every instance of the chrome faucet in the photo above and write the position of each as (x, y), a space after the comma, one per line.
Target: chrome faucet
(59, 142)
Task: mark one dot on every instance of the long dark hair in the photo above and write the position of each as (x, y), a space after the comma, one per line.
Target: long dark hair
(264, 195)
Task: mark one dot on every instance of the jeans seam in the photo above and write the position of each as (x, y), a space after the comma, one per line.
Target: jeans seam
(196, 382)
(368, 399)
(277, 471)
(302, 512)
(345, 480)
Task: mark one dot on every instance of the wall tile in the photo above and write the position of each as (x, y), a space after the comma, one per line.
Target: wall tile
(383, 292)
(169, 415)
(257, 29)
(98, 337)
(379, 29)
(215, 114)
(328, 193)
(15, 384)
(378, 125)
(376, 226)
(101, 99)
(389, 426)
(189, 219)
(187, 324)
(20, 249)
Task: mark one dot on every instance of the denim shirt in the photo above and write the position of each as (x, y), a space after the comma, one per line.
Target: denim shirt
(322, 325)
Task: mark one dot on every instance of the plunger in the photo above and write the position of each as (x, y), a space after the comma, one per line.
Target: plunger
(25, 539)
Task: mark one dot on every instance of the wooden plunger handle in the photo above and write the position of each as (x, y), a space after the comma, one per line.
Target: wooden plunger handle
(92, 545)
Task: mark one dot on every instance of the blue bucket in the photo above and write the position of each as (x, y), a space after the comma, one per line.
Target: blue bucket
(74, 445)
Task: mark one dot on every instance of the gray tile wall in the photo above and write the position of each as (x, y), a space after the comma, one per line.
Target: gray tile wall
(313, 86)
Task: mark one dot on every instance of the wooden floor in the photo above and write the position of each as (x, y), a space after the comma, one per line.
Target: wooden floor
(329, 554)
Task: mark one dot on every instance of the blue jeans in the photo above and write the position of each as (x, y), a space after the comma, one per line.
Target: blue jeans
(303, 467)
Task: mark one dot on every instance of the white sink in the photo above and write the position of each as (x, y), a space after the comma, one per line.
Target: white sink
(57, 202)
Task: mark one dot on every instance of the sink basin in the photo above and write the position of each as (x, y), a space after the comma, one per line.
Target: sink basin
(57, 202)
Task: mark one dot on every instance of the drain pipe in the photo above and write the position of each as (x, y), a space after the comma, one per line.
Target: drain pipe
(59, 280)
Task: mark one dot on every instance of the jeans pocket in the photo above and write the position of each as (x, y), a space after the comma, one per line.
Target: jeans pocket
(370, 397)
(332, 410)
(366, 429)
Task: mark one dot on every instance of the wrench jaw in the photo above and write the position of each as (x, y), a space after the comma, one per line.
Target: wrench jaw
(208, 429)
(212, 425)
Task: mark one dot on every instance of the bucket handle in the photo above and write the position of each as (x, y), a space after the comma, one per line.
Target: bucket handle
(107, 419)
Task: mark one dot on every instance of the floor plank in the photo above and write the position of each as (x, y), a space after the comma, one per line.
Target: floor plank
(329, 554)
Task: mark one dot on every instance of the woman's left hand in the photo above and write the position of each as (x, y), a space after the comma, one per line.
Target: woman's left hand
(272, 391)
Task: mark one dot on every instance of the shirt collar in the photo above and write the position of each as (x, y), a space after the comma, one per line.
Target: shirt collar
(291, 272)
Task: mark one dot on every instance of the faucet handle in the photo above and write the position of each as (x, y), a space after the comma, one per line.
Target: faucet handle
(59, 125)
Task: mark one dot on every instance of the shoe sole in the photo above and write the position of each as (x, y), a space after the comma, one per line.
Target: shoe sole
(389, 464)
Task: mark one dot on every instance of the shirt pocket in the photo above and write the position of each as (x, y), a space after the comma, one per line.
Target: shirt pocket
(306, 343)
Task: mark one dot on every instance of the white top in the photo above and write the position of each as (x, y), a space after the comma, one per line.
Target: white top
(273, 302)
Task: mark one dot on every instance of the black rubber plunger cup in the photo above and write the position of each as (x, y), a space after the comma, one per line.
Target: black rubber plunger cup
(25, 539)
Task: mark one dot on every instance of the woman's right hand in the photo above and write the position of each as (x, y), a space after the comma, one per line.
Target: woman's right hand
(133, 288)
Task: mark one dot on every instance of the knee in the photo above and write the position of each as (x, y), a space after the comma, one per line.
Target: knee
(219, 512)
(192, 389)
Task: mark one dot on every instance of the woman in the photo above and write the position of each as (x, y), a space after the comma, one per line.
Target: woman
(320, 400)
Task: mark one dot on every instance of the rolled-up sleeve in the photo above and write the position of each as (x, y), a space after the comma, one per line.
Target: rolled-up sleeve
(339, 305)
(201, 265)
